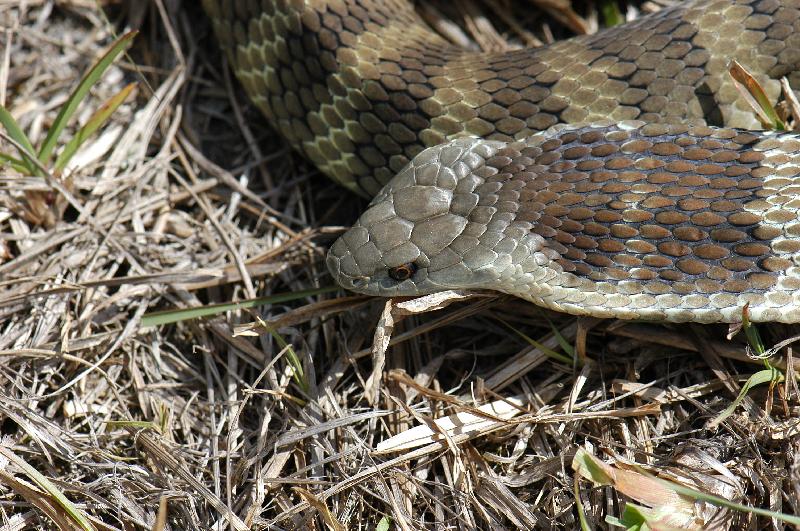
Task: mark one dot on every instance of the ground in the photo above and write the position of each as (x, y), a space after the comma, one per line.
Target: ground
(129, 400)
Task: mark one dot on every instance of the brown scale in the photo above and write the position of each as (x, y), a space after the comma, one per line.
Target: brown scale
(361, 86)
(680, 226)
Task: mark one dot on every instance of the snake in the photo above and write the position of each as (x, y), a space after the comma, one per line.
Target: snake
(615, 175)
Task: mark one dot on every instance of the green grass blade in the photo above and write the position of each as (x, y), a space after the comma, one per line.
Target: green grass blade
(18, 136)
(297, 366)
(174, 316)
(633, 518)
(611, 14)
(769, 375)
(722, 502)
(566, 346)
(80, 92)
(752, 335)
(15, 163)
(46, 485)
(94, 123)
(576, 491)
(550, 353)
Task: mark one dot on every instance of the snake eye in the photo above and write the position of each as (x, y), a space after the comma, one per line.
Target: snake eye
(403, 272)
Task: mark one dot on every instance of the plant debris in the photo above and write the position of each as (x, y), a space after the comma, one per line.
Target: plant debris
(174, 355)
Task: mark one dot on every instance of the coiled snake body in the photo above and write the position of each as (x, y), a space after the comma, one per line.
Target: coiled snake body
(658, 218)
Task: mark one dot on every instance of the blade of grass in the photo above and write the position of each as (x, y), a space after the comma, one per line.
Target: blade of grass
(770, 375)
(565, 345)
(15, 163)
(29, 158)
(751, 91)
(610, 13)
(546, 351)
(297, 366)
(751, 333)
(576, 491)
(722, 502)
(185, 314)
(46, 485)
(16, 134)
(94, 123)
(80, 92)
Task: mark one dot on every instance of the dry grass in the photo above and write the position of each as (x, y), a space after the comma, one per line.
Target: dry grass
(288, 423)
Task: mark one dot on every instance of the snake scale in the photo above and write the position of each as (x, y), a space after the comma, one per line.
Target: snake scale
(643, 208)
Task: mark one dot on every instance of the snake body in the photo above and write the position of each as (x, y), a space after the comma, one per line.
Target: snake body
(630, 220)
(660, 218)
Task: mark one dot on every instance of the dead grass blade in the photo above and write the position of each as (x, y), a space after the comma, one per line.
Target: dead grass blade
(327, 516)
(462, 426)
(752, 92)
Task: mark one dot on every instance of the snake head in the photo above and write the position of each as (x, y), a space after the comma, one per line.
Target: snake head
(421, 232)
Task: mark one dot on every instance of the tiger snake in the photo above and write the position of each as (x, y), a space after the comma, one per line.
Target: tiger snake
(592, 176)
